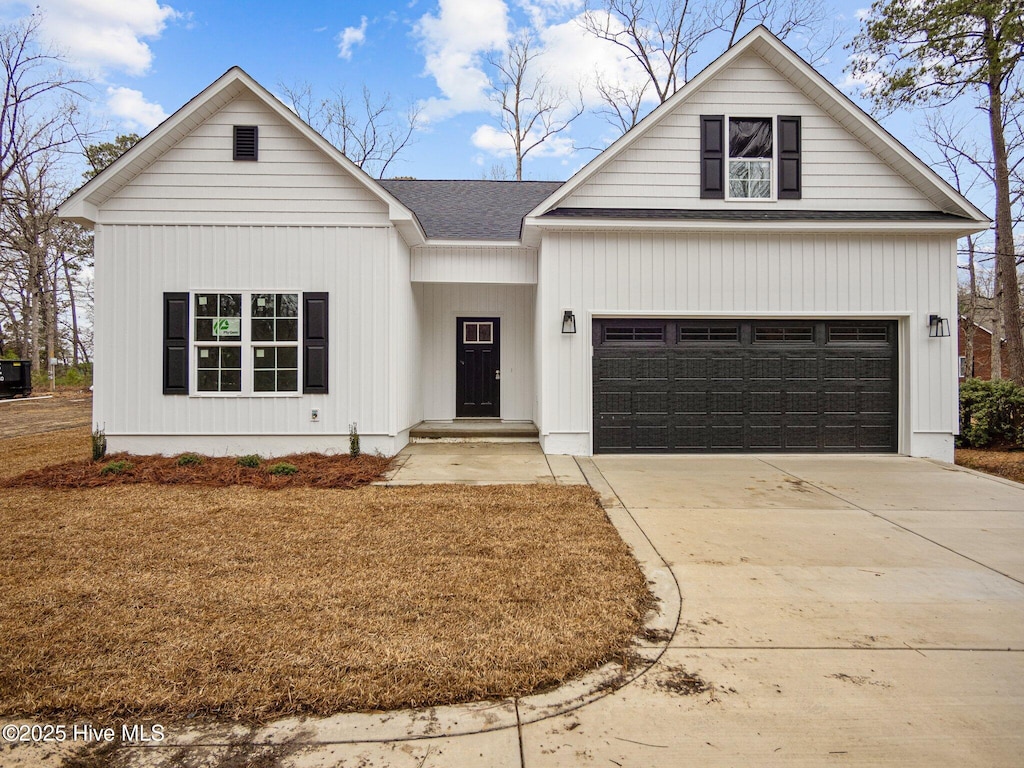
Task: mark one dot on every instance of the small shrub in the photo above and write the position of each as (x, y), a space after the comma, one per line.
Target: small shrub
(116, 467)
(353, 440)
(252, 461)
(991, 412)
(99, 443)
(190, 460)
(282, 468)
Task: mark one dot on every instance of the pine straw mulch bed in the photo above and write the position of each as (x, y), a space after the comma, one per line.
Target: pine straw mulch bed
(238, 604)
(1008, 464)
(314, 469)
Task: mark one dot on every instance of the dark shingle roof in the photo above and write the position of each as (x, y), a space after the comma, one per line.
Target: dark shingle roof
(747, 214)
(470, 210)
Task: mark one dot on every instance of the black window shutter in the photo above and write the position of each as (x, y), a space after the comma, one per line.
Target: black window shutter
(314, 343)
(246, 142)
(175, 343)
(712, 157)
(789, 158)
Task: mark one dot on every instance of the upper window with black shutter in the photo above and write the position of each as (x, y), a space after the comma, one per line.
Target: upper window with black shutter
(750, 158)
(246, 142)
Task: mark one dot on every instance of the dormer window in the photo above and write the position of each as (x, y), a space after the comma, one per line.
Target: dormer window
(750, 158)
(246, 142)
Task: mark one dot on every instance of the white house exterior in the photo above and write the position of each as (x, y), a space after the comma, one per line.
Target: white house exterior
(752, 268)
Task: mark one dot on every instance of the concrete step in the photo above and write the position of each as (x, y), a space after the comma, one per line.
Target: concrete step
(475, 430)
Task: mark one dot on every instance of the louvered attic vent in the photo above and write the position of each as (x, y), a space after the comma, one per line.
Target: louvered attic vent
(246, 142)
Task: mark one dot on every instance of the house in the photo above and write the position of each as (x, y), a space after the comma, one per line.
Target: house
(981, 364)
(752, 268)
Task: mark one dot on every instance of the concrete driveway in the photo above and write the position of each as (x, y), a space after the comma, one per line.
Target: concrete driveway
(835, 611)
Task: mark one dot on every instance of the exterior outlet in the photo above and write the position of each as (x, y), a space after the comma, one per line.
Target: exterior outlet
(314, 415)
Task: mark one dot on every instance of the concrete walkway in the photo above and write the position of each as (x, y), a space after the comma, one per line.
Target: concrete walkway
(846, 611)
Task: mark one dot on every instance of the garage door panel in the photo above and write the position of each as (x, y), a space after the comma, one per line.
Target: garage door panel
(798, 386)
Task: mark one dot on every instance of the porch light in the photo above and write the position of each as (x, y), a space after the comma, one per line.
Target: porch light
(938, 327)
(568, 322)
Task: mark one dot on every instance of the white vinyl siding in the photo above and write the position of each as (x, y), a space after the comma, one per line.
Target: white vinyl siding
(757, 275)
(439, 305)
(135, 265)
(455, 263)
(662, 169)
(197, 181)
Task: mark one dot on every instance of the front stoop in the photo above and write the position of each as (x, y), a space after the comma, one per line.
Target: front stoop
(483, 430)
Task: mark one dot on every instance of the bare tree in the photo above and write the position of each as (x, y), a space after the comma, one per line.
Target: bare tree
(40, 100)
(662, 36)
(932, 54)
(370, 132)
(532, 111)
(623, 104)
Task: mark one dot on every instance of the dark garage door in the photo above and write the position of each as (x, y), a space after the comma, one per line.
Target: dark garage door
(750, 385)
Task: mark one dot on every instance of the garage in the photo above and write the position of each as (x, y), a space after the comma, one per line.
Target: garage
(674, 386)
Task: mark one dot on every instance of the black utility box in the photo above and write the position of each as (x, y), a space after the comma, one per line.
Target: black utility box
(15, 378)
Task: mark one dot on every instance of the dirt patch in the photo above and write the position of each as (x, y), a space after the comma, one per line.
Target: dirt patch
(1008, 464)
(678, 681)
(231, 603)
(311, 469)
(64, 410)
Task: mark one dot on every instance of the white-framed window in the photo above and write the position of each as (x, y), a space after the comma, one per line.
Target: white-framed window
(749, 165)
(478, 332)
(246, 343)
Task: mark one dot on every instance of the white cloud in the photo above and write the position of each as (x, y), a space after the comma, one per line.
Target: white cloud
(349, 38)
(135, 113)
(574, 60)
(499, 144)
(457, 40)
(454, 44)
(107, 34)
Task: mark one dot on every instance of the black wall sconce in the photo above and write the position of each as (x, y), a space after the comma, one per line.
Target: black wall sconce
(568, 322)
(938, 327)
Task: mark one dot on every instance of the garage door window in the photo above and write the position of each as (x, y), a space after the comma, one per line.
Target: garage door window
(783, 334)
(838, 334)
(709, 333)
(653, 334)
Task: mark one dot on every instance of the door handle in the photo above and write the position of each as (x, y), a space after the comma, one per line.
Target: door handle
(497, 375)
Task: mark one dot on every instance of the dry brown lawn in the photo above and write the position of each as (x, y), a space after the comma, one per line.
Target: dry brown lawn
(1008, 464)
(243, 603)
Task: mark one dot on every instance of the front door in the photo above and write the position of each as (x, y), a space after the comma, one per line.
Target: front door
(478, 377)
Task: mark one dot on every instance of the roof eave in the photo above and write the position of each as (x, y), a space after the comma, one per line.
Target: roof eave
(536, 225)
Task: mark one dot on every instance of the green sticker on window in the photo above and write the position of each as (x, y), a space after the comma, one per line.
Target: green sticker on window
(227, 327)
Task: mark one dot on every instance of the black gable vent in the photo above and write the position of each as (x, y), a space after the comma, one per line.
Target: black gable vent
(246, 142)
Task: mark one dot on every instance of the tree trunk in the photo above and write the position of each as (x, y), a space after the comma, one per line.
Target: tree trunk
(75, 340)
(970, 310)
(1007, 283)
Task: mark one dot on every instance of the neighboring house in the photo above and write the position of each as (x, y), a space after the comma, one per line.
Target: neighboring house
(982, 367)
(752, 268)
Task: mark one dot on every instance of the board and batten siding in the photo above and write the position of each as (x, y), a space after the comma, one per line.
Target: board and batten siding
(356, 266)
(196, 181)
(756, 275)
(474, 263)
(439, 304)
(662, 168)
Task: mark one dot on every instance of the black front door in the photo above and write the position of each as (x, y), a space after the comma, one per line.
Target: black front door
(477, 378)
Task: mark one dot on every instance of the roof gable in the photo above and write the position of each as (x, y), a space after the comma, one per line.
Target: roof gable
(656, 164)
(233, 91)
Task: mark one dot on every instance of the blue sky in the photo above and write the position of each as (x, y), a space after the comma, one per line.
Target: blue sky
(146, 59)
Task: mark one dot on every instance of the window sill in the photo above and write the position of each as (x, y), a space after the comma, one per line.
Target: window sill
(244, 395)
